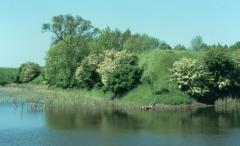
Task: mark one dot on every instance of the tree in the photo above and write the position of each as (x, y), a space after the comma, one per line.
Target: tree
(236, 46)
(217, 46)
(192, 77)
(63, 59)
(198, 44)
(86, 74)
(64, 25)
(109, 39)
(27, 72)
(180, 47)
(164, 46)
(112, 60)
(223, 69)
(140, 43)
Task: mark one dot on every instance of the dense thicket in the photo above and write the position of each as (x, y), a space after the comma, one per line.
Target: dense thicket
(124, 78)
(222, 68)
(62, 60)
(215, 76)
(86, 74)
(27, 72)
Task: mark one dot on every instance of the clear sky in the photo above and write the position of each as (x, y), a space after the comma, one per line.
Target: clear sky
(174, 21)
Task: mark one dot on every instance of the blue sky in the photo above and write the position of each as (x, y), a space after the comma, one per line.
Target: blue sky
(174, 21)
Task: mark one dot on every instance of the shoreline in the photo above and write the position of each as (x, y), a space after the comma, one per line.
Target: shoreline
(28, 93)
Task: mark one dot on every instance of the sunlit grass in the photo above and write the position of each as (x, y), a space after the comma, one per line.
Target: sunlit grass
(158, 64)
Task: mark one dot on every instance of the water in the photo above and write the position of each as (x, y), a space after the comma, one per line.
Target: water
(93, 127)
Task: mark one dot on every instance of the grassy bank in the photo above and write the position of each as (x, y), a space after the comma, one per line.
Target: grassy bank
(157, 65)
(7, 75)
(155, 87)
(36, 95)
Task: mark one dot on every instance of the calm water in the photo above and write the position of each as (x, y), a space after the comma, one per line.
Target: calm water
(90, 127)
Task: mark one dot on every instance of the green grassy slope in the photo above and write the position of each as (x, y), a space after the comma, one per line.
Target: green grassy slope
(7, 75)
(157, 65)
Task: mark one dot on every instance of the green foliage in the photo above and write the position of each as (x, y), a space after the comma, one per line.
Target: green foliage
(112, 60)
(198, 44)
(27, 72)
(222, 68)
(217, 46)
(7, 75)
(164, 46)
(140, 43)
(236, 58)
(63, 59)
(38, 80)
(109, 39)
(215, 77)
(236, 46)
(86, 74)
(114, 63)
(124, 78)
(180, 47)
(64, 25)
(191, 77)
(157, 65)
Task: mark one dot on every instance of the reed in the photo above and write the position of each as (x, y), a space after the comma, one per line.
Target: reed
(35, 95)
(228, 104)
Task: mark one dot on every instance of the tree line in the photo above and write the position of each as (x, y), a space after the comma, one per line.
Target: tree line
(84, 56)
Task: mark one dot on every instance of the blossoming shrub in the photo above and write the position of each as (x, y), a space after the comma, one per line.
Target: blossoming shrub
(191, 77)
(112, 60)
(27, 72)
(86, 75)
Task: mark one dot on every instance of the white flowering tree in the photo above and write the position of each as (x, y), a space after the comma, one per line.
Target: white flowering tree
(112, 60)
(191, 77)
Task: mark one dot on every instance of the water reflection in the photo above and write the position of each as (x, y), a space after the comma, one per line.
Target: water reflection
(188, 122)
(94, 119)
(22, 124)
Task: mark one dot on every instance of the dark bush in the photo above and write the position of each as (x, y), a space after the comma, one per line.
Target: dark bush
(124, 79)
(223, 69)
(164, 46)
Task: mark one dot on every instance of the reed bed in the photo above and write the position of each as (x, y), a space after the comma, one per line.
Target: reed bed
(35, 96)
(228, 104)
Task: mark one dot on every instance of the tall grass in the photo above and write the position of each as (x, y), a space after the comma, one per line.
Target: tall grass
(69, 98)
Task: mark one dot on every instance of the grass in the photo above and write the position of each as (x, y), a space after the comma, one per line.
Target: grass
(157, 64)
(7, 75)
